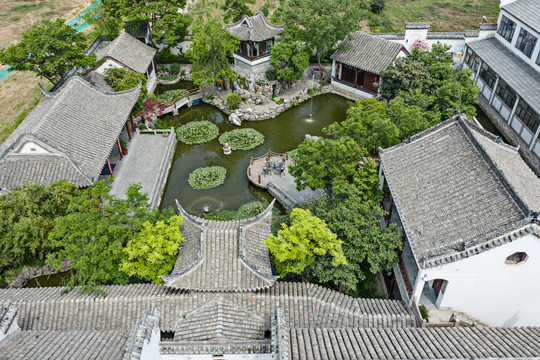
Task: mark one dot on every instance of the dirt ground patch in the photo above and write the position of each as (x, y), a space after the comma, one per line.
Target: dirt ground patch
(19, 92)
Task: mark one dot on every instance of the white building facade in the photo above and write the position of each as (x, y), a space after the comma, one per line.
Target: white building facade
(468, 206)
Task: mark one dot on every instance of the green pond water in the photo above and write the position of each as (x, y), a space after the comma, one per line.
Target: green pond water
(282, 133)
(48, 280)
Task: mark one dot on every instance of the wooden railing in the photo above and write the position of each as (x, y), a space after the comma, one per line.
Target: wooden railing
(187, 94)
(252, 58)
(404, 274)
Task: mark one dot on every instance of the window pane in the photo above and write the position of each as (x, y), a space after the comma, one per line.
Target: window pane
(526, 42)
(507, 28)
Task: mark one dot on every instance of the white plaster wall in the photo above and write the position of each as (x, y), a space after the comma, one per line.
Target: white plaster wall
(150, 350)
(495, 293)
(13, 330)
(352, 90)
(181, 47)
(107, 65)
(257, 66)
(27, 149)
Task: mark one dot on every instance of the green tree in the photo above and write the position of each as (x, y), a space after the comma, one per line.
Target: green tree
(210, 51)
(154, 250)
(49, 49)
(94, 231)
(27, 216)
(235, 9)
(290, 59)
(432, 74)
(367, 247)
(326, 163)
(320, 24)
(169, 26)
(104, 20)
(368, 125)
(121, 79)
(296, 246)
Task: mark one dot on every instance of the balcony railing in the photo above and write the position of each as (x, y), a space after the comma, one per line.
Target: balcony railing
(405, 274)
(252, 58)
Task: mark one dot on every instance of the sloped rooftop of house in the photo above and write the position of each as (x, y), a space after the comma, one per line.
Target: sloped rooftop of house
(129, 51)
(223, 255)
(367, 52)
(526, 11)
(459, 191)
(254, 28)
(521, 76)
(72, 131)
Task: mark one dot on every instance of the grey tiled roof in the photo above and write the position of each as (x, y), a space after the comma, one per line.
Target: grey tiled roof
(367, 52)
(141, 333)
(389, 36)
(445, 35)
(8, 314)
(303, 304)
(517, 73)
(257, 29)
(223, 255)
(439, 180)
(65, 345)
(77, 124)
(417, 25)
(526, 11)
(129, 51)
(415, 343)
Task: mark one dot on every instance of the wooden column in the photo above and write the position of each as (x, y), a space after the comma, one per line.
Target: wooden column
(129, 132)
(109, 166)
(132, 125)
(355, 76)
(251, 48)
(119, 148)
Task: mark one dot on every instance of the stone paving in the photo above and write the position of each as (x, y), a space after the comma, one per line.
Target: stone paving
(147, 163)
(282, 187)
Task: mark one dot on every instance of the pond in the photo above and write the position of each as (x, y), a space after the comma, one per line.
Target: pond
(486, 123)
(282, 133)
(48, 280)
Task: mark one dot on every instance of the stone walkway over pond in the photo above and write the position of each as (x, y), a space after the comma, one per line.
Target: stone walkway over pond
(148, 162)
(282, 187)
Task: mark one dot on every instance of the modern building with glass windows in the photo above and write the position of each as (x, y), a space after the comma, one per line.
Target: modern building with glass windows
(507, 69)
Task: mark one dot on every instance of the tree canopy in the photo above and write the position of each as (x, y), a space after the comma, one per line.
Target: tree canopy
(95, 229)
(432, 73)
(296, 246)
(209, 51)
(153, 251)
(27, 216)
(320, 24)
(48, 49)
(104, 20)
(121, 79)
(289, 59)
(235, 9)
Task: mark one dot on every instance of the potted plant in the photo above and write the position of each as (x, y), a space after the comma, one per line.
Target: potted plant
(123, 145)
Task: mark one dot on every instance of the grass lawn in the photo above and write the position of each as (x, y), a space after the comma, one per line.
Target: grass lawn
(444, 15)
(19, 92)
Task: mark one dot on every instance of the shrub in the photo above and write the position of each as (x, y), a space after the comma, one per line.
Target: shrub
(376, 6)
(207, 177)
(279, 102)
(210, 96)
(168, 78)
(271, 74)
(170, 95)
(165, 57)
(250, 210)
(242, 139)
(424, 312)
(197, 132)
(175, 69)
(293, 155)
(233, 101)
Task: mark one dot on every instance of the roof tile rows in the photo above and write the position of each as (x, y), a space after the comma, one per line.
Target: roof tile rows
(449, 156)
(414, 343)
(367, 52)
(255, 28)
(129, 51)
(66, 345)
(304, 305)
(77, 125)
(223, 255)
